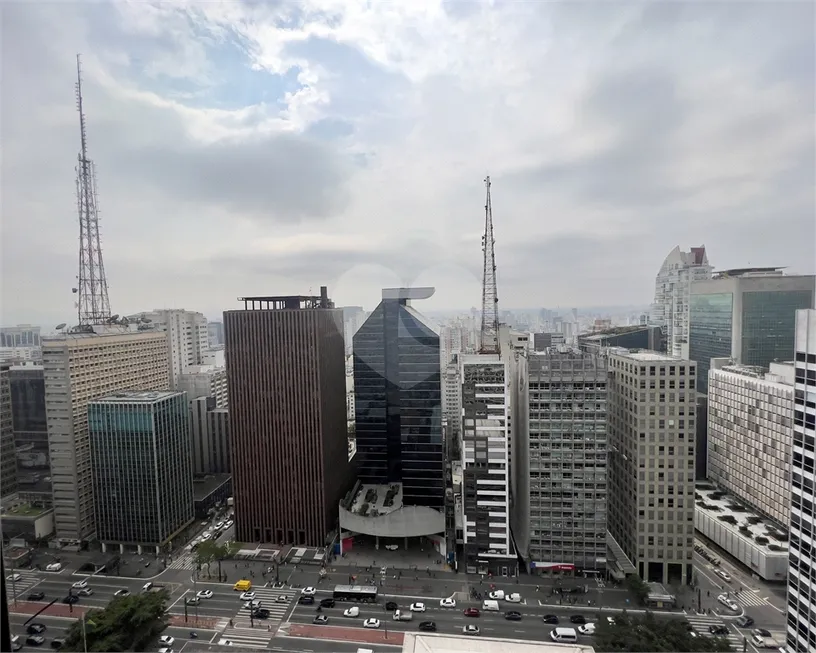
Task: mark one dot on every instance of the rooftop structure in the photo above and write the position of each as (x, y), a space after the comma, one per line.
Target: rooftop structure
(281, 302)
(437, 643)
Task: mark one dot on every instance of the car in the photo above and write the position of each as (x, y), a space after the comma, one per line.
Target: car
(587, 629)
(308, 591)
(166, 649)
(306, 600)
(228, 523)
(512, 616)
(80, 584)
(36, 628)
(326, 603)
(219, 525)
(745, 621)
(428, 626)
(417, 607)
(578, 619)
(260, 613)
(193, 600)
(351, 612)
(390, 605)
(471, 612)
(470, 629)
(252, 605)
(247, 596)
(86, 591)
(54, 566)
(205, 594)
(35, 640)
(57, 644)
(320, 619)
(71, 599)
(761, 632)
(36, 596)
(610, 621)
(727, 602)
(447, 603)
(225, 642)
(718, 629)
(16, 644)
(166, 640)
(513, 598)
(723, 574)
(122, 592)
(282, 599)
(13, 578)
(498, 595)
(371, 623)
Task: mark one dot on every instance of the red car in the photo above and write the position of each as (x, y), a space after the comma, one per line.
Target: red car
(471, 612)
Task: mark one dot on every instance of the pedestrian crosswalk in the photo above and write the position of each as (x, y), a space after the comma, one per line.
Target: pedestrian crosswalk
(701, 624)
(236, 638)
(24, 580)
(750, 599)
(257, 633)
(184, 561)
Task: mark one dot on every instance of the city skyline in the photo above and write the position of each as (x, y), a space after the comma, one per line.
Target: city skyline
(265, 160)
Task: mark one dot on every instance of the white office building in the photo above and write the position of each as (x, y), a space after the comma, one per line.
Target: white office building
(205, 381)
(670, 309)
(452, 398)
(750, 415)
(187, 337)
(801, 583)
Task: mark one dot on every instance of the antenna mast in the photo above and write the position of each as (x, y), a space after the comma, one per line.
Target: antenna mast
(93, 305)
(490, 301)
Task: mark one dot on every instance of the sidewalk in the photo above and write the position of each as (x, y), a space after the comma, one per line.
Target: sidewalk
(339, 634)
(56, 610)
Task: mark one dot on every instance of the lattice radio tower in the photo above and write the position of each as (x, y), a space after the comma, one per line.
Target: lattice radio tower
(93, 304)
(490, 301)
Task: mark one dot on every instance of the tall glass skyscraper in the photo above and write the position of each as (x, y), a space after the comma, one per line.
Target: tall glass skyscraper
(398, 399)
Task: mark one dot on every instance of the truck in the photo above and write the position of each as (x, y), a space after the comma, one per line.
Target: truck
(365, 650)
(402, 615)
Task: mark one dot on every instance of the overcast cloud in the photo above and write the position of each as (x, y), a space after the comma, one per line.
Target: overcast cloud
(275, 147)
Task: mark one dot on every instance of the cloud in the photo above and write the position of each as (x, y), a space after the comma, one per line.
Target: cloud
(253, 147)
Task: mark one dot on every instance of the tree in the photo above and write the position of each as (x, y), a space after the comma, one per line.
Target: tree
(639, 589)
(128, 623)
(642, 634)
(210, 551)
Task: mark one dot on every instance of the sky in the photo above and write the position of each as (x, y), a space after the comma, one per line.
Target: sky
(269, 148)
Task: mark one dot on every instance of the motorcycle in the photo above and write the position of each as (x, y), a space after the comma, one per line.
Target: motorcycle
(319, 608)
(193, 634)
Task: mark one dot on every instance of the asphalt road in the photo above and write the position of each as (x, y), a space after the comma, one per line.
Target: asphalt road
(55, 629)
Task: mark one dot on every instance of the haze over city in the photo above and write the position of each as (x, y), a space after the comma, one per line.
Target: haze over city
(254, 148)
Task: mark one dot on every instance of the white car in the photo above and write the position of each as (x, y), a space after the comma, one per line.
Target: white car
(470, 629)
(498, 595)
(351, 612)
(225, 642)
(587, 629)
(417, 607)
(166, 640)
(308, 591)
(54, 566)
(205, 594)
(727, 602)
(165, 649)
(282, 598)
(513, 598)
(13, 578)
(248, 596)
(371, 623)
(121, 593)
(80, 584)
(448, 603)
(219, 526)
(252, 605)
(228, 523)
(723, 574)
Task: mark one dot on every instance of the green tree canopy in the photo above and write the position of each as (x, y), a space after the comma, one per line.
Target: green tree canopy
(648, 634)
(128, 623)
(638, 587)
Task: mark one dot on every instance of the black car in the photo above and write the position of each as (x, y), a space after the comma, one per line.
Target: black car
(57, 643)
(718, 629)
(550, 619)
(36, 629)
(578, 619)
(36, 596)
(35, 640)
(260, 613)
(306, 600)
(326, 603)
(70, 599)
(391, 605)
(745, 621)
(512, 616)
(428, 626)
(320, 619)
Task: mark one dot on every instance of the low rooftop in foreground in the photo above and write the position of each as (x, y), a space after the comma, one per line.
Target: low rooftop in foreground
(643, 355)
(136, 397)
(436, 643)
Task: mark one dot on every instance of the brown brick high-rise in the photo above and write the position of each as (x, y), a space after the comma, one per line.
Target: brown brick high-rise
(287, 391)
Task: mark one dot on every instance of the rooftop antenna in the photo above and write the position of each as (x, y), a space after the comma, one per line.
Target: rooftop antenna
(490, 301)
(93, 304)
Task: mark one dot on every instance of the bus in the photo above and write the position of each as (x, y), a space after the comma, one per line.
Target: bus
(362, 593)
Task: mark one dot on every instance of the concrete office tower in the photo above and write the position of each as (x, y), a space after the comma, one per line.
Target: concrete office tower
(486, 431)
(750, 415)
(287, 417)
(398, 400)
(80, 368)
(746, 315)
(452, 400)
(30, 426)
(561, 493)
(651, 464)
(142, 468)
(8, 458)
(209, 429)
(187, 337)
(801, 585)
(22, 335)
(205, 381)
(670, 310)
(215, 333)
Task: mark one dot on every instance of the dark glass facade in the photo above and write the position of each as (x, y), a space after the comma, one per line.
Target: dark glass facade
(398, 404)
(768, 325)
(30, 428)
(142, 468)
(710, 324)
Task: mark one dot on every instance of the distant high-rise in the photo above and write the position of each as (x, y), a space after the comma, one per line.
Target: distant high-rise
(746, 315)
(142, 467)
(801, 584)
(215, 331)
(80, 368)
(670, 310)
(8, 458)
(287, 418)
(398, 399)
(30, 425)
(22, 335)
